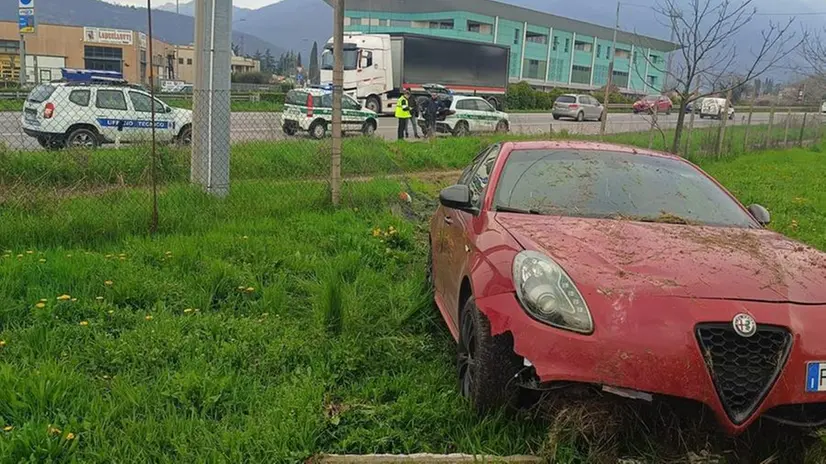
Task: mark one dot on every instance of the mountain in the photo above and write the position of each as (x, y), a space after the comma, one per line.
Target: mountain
(188, 9)
(169, 27)
(292, 24)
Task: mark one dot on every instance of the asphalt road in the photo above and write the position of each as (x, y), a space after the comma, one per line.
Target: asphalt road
(251, 127)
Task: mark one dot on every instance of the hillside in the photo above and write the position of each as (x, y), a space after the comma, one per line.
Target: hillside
(169, 27)
(188, 9)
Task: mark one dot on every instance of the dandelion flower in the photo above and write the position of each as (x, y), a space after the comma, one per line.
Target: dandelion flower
(84, 323)
(123, 258)
(111, 311)
(187, 310)
(108, 256)
(19, 256)
(42, 260)
(148, 318)
(376, 232)
(64, 298)
(245, 237)
(43, 300)
(99, 298)
(70, 436)
(241, 287)
(168, 253)
(108, 283)
(30, 252)
(54, 430)
(74, 300)
(8, 428)
(2, 343)
(69, 255)
(250, 289)
(40, 305)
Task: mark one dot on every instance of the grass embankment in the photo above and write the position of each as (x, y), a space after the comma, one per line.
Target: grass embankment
(264, 327)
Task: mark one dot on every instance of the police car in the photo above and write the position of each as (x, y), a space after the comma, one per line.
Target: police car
(82, 114)
(311, 110)
(469, 114)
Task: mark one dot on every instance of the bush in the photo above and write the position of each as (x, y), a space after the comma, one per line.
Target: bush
(286, 86)
(277, 98)
(256, 77)
(522, 96)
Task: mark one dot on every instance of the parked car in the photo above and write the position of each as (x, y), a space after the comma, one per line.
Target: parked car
(541, 266)
(578, 107)
(84, 115)
(311, 110)
(652, 103)
(466, 115)
(714, 107)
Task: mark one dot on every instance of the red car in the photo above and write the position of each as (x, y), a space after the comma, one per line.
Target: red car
(648, 104)
(588, 264)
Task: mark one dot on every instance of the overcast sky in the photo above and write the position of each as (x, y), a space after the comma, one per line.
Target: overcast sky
(241, 3)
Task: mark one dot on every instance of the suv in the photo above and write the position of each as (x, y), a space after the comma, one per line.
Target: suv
(579, 107)
(466, 115)
(86, 115)
(311, 110)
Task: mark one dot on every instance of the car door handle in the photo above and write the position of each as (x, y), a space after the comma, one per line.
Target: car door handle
(448, 220)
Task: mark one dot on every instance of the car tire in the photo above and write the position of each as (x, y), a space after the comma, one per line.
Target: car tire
(580, 116)
(82, 138)
(486, 365)
(462, 129)
(50, 143)
(373, 104)
(289, 129)
(731, 117)
(369, 128)
(318, 130)
(502, 126)
(185, 137)
(556, 118)
(702, 116)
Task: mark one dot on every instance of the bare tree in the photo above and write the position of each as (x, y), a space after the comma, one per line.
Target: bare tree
(704, 31)
(814, 55)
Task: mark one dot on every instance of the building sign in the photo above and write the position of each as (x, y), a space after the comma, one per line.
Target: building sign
(142, 40)
(107, 36)
(26, 20)
(25, 4)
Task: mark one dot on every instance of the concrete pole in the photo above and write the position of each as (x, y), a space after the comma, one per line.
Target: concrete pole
(338, 88)
(610, 82)
(211, 96)
(22, 60)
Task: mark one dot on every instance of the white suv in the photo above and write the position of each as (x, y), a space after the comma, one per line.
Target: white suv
(86, 115)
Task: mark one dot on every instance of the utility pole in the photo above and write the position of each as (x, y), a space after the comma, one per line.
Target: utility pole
(610, 75)
(338, 87)
(175, 66)
(22, 60)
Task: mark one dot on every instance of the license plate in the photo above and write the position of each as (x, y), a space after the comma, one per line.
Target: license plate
(816, 377)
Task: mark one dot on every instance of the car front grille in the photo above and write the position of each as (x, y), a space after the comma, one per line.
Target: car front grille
(743, 369)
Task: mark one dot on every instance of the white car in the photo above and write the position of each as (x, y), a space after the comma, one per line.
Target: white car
(311, 110)
(823, 108)
(467, 115)
(86, 115)
(713, 108)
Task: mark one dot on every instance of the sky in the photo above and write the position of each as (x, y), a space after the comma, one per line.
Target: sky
(239, 3)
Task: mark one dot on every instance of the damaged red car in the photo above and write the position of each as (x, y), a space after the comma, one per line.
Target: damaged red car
(559, 263)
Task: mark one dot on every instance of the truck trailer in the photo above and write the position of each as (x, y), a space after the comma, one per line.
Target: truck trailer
(378, 67)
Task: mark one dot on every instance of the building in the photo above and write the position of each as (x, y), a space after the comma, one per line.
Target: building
(54, 46)
(186, 67)
(546, 50)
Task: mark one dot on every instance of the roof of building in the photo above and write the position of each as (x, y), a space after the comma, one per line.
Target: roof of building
(510, 12)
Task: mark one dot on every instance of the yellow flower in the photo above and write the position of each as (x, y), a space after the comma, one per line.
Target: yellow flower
(241, 287)
(30, 252)
(122, 255)
(54, 430)
(123, 258)
(196, 310)
(111, 311)
(64, 297)
(168, 253)
(99, 298)
(69, 255)
(250, 289)
(70, 436)
(2, 343)
(245, 237)
(187, 310)
(19, 256)
(8, 428)
(148, 318)
(84, 323)
(40, 305)
(108, 283)
(43, 300)
(108, 256)
(376, 232)
(42, 260)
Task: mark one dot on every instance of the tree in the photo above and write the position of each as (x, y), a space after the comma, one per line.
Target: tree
(236, 49)
(268, 62)
(705, 31)
(758, 86)
(298, 62)
(315, 71)
(814, 54)
(769, 86)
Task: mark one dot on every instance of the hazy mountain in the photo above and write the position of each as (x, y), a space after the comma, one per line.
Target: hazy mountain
(188, 9)
(292, 24)
(169, 27)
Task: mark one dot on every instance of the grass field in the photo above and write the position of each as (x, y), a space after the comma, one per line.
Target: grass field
(264, 327)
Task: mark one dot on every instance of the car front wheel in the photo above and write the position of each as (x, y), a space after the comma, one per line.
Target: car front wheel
(461, 130)
(486, 364)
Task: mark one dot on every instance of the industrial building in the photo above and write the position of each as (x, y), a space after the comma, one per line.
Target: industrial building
(186, 68)
(546, 50)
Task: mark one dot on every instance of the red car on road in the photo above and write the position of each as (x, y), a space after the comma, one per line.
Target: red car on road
(652, 103)
(580, 263)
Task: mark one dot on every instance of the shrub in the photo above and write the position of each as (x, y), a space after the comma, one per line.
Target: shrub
(256, 77)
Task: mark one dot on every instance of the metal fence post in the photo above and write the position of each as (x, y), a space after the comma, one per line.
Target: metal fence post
(723, 118)
(653, 125)
(688, 134)
(786, 131)
(802, 130)
(748, 128)
(770, 134)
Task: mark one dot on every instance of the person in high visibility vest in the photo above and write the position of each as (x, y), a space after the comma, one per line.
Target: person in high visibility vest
(403, 113)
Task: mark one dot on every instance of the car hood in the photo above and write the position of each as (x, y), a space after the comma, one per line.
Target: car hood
(676, 260)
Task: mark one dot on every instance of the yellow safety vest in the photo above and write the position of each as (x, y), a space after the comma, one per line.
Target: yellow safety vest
(402, 108)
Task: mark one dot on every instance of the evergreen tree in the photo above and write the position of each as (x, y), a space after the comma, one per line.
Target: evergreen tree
(315, 71)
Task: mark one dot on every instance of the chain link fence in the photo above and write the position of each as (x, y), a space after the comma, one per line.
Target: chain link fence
(71, 151)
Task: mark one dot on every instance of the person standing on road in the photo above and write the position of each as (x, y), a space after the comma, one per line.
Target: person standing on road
(414, 120)
(431, 113)
(403, 113)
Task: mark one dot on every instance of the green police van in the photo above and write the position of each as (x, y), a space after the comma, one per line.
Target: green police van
(311, 110)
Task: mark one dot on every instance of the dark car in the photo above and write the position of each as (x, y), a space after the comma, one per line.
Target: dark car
(559, 264)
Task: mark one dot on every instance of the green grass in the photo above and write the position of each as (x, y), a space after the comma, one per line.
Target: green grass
(311, 334)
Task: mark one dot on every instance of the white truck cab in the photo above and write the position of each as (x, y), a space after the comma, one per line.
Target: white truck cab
(367, 70)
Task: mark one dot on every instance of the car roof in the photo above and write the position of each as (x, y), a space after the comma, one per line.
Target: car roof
(467, 97)
(312, 91)
(585, 145)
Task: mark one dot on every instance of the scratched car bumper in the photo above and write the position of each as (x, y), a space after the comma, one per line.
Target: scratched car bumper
(658, 352)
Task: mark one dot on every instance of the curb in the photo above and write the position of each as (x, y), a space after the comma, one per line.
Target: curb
(422, 458)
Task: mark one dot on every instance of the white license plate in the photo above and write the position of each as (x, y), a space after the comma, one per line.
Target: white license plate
(816, 377)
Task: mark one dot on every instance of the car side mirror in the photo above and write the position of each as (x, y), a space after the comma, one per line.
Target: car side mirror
(760, 214)
(456, 197)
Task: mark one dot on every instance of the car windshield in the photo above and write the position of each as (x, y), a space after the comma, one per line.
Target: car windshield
(605, 184)
(350, 59)
(566, 99)
(41, 93)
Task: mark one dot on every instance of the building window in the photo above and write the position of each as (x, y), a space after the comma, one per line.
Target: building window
(556, 43)
(599, 50)
(581, 75)
(516, 34)
(567, 45)
(536, 37)
(622, 54)
(652, 81)
(479, 28)
(355, 21)
(9, 47)
(441, 24)
(103, 58)
(583, 46)
(180, 61)
(535, 69)
(189, 61)
(620, 79)
(608, 52)
(399, 23)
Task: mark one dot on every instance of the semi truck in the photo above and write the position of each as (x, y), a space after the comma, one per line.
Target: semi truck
(378, 67)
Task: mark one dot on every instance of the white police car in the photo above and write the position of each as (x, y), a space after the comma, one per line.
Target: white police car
(311, 110)
(86, 115)
(469, 114)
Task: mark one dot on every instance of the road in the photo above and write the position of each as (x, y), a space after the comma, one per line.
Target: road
(250, 127)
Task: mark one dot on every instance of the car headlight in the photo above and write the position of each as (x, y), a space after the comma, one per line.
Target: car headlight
(548, 294)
